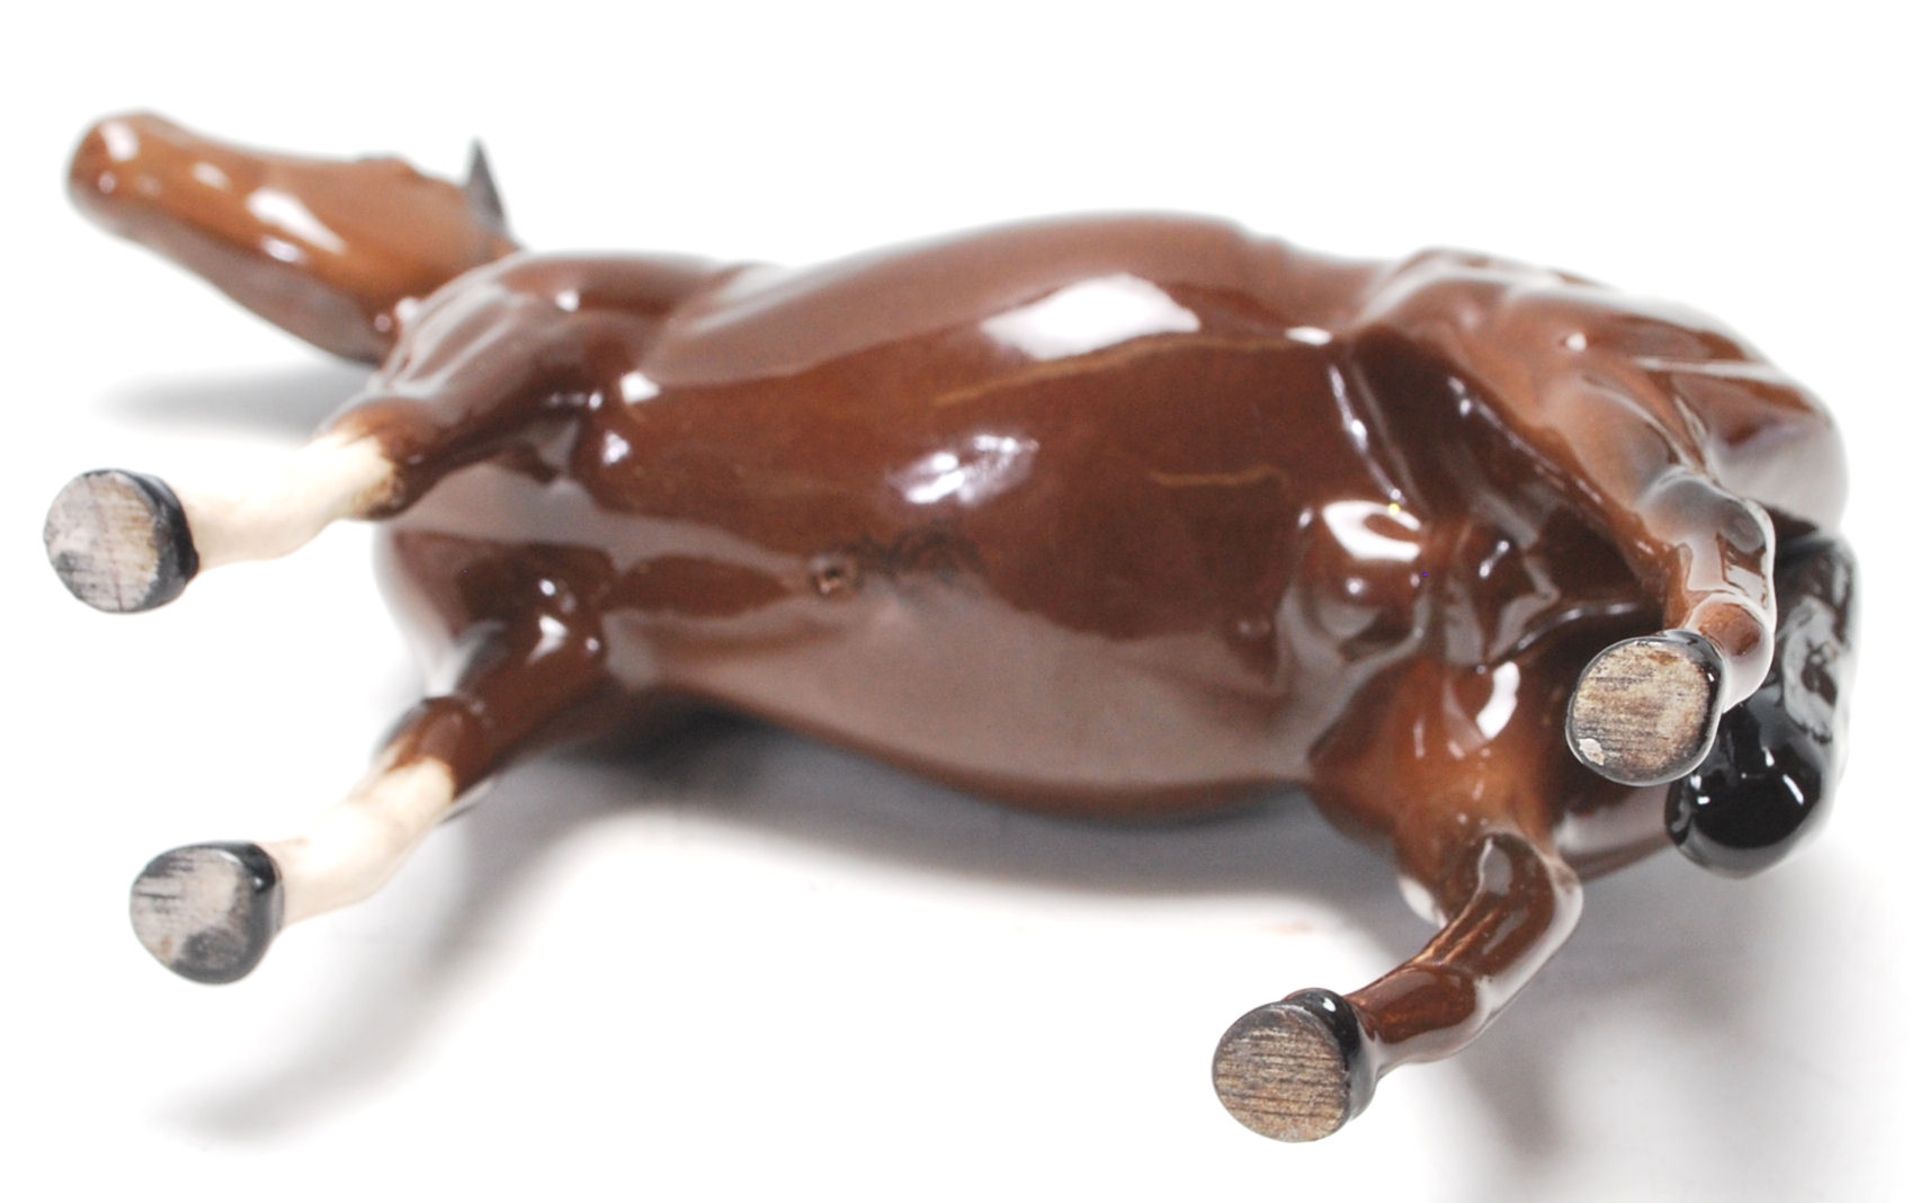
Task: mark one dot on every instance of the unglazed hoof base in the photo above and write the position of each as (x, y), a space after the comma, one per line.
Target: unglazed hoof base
(119, 541)
(1645, 710)
(208, 912)
(1294, 1070)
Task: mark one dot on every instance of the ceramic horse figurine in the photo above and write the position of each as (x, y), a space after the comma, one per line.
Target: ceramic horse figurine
(1517, 577)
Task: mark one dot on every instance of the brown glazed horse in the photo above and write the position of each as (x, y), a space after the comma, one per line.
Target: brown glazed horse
(1519, 578)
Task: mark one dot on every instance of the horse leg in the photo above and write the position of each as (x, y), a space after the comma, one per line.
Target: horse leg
(1300, 1068)
(1762, 787)
(1463, 771)
(209, 911)
(125, 542)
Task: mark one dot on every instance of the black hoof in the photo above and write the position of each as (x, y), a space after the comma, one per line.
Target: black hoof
(1297, 1069)
(208, 912)
(1763, 787)
(1645, 710)
(119, 541)
(1757, 795)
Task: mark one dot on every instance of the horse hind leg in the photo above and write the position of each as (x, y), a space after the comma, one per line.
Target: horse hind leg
(1763, 787)
(1470, 818)
(1301, 1068)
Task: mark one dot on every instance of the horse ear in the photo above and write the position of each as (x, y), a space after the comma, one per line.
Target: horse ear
(483, 195)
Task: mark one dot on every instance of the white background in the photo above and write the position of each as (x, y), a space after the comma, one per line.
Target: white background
(747, 966)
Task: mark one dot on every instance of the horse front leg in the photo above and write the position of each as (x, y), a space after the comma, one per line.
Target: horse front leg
(479, 368)
(528, 669)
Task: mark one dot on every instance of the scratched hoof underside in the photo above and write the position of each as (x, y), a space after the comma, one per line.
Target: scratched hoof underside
(208, 912)
(1645, 710)
(1294, 1070)
(119, 541)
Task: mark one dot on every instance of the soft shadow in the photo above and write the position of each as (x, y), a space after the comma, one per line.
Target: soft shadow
(1735, 974)
(1658, 941)
(289, 401)
(385, 1004)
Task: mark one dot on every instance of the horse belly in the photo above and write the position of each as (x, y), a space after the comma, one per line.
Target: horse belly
(953, 684)
(934, 672)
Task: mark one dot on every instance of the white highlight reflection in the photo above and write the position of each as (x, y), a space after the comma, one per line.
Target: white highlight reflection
(984, 466)
(1493, 716)
(1089, 316)
(614, 450)
(553, 636)
(635, 387)
(122, 143)
(1356, 525)
(284, 212)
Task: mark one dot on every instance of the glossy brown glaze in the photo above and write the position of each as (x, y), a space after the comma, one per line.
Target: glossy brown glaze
(1125, 511)
(329, 251)
(1111, 515)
